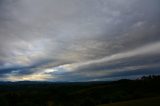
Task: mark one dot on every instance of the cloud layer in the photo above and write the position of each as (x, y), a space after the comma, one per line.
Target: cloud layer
(79, 40)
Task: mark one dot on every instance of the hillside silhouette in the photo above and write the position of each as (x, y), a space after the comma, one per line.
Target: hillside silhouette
(28, 93)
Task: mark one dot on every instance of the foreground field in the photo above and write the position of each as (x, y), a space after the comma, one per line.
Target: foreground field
(155, 101)
(81, 93)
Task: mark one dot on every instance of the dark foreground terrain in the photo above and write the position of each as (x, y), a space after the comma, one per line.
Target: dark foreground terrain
(154, 101)
(117, 93)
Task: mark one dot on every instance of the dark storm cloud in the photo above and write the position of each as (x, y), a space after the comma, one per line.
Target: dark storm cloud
(78, 39)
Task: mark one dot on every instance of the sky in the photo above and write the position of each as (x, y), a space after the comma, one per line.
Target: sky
(79, 40)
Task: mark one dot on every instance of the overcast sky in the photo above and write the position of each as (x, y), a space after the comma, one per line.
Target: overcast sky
(79, 40)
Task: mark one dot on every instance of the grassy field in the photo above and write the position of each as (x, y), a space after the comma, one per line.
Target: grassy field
(155, 101)
(28, 93)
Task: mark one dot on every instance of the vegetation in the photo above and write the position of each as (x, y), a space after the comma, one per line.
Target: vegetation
(77, 94)
(155, 101)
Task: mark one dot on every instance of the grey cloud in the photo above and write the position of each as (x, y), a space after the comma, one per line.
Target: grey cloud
(145, 50)
(88, 34)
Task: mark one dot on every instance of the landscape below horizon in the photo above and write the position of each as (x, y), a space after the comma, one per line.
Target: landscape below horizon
(141, 92)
